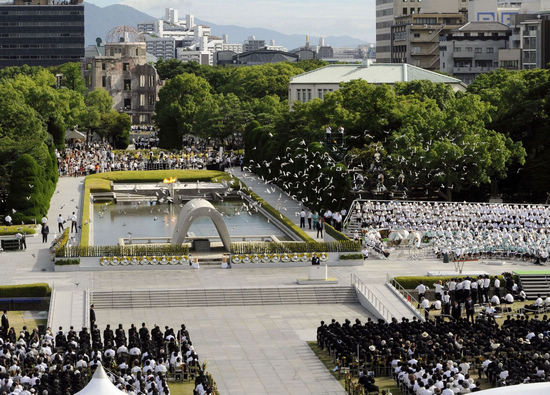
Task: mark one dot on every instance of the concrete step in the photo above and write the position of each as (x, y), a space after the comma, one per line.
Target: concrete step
(224, 297)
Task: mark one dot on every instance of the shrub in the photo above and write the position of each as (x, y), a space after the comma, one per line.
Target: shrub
(11, 230)
(411, 282)
(61, 241)
(337, 235)
(63, 262)
(28, 290)
(350, 256)
(29, 191)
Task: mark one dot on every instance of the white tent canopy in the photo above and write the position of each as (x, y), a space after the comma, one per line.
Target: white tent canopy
(100, 385)
(74, 134)
(521, 389)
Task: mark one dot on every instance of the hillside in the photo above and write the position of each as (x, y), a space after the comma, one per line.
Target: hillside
(100, 20)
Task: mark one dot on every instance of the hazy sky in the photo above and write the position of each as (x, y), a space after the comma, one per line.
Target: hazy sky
(354, 18)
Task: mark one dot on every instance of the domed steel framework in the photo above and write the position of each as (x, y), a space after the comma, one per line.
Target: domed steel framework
(124, 34)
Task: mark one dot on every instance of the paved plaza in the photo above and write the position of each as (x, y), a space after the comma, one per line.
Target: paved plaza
(253, 349)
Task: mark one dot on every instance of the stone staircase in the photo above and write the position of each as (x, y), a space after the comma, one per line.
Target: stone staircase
(223, 297)
(535, 284)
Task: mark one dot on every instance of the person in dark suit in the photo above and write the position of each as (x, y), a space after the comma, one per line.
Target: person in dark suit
(45, 231)
(315, 260)
(469, 306)
(5, 323)
(108, 335)
(92, 316)
(456, 311)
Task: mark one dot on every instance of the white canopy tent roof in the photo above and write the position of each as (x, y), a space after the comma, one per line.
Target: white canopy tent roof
(521, 389)
(100, 385)
(74, 134)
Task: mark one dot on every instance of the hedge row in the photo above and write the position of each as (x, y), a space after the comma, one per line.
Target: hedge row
(337, 235)
(14, 229)
(129, 250)
(350, 256)
(292, 247)
(411, 282)
(64, 262)
(61, 241)
(85, 218)
(25, 290)
(159, 175)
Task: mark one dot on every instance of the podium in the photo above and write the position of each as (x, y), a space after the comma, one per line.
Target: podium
(317, 274)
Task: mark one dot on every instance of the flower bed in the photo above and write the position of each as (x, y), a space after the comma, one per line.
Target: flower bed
(277, 258)
(144, 260)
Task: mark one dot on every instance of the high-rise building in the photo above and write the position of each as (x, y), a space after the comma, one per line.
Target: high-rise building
(415, 38)
(388, 10)
(172, 37)
(473, 49)
(41, 32)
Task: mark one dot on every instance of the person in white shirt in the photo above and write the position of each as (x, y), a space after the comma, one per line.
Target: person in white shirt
(438, 287)
(495, 300)
(486, 286)
(490, 310)
(421, 289)
(74, 223)
(509, 298)
(60, 222)
(497, 286)
(539, 302)
(302, 219)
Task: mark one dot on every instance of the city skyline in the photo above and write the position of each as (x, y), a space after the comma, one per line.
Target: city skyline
(355, 18)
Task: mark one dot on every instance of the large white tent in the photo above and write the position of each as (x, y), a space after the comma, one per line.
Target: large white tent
(521, 389)
(100, 385)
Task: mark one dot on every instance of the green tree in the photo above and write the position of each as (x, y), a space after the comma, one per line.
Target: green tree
(98, 103)
(117, 126)
(520, 107)
(178, 108)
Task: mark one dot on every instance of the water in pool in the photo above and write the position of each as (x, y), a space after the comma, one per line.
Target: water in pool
(114, 221)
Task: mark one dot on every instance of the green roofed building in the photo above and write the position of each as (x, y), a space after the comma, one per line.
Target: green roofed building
(317, 83)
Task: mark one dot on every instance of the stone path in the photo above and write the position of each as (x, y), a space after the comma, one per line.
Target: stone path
(69, 308)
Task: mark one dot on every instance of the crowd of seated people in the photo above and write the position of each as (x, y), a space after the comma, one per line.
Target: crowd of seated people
(138, 361)
(439, 357)
(79, 160)
(466, 230)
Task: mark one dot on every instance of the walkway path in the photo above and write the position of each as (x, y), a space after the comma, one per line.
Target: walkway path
(277, 198)
(69, 308)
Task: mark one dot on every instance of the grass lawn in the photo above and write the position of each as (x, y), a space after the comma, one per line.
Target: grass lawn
(383, 383)
(181, 388)
(19, 319)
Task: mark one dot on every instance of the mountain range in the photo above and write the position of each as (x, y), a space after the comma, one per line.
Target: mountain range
(100, 20)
